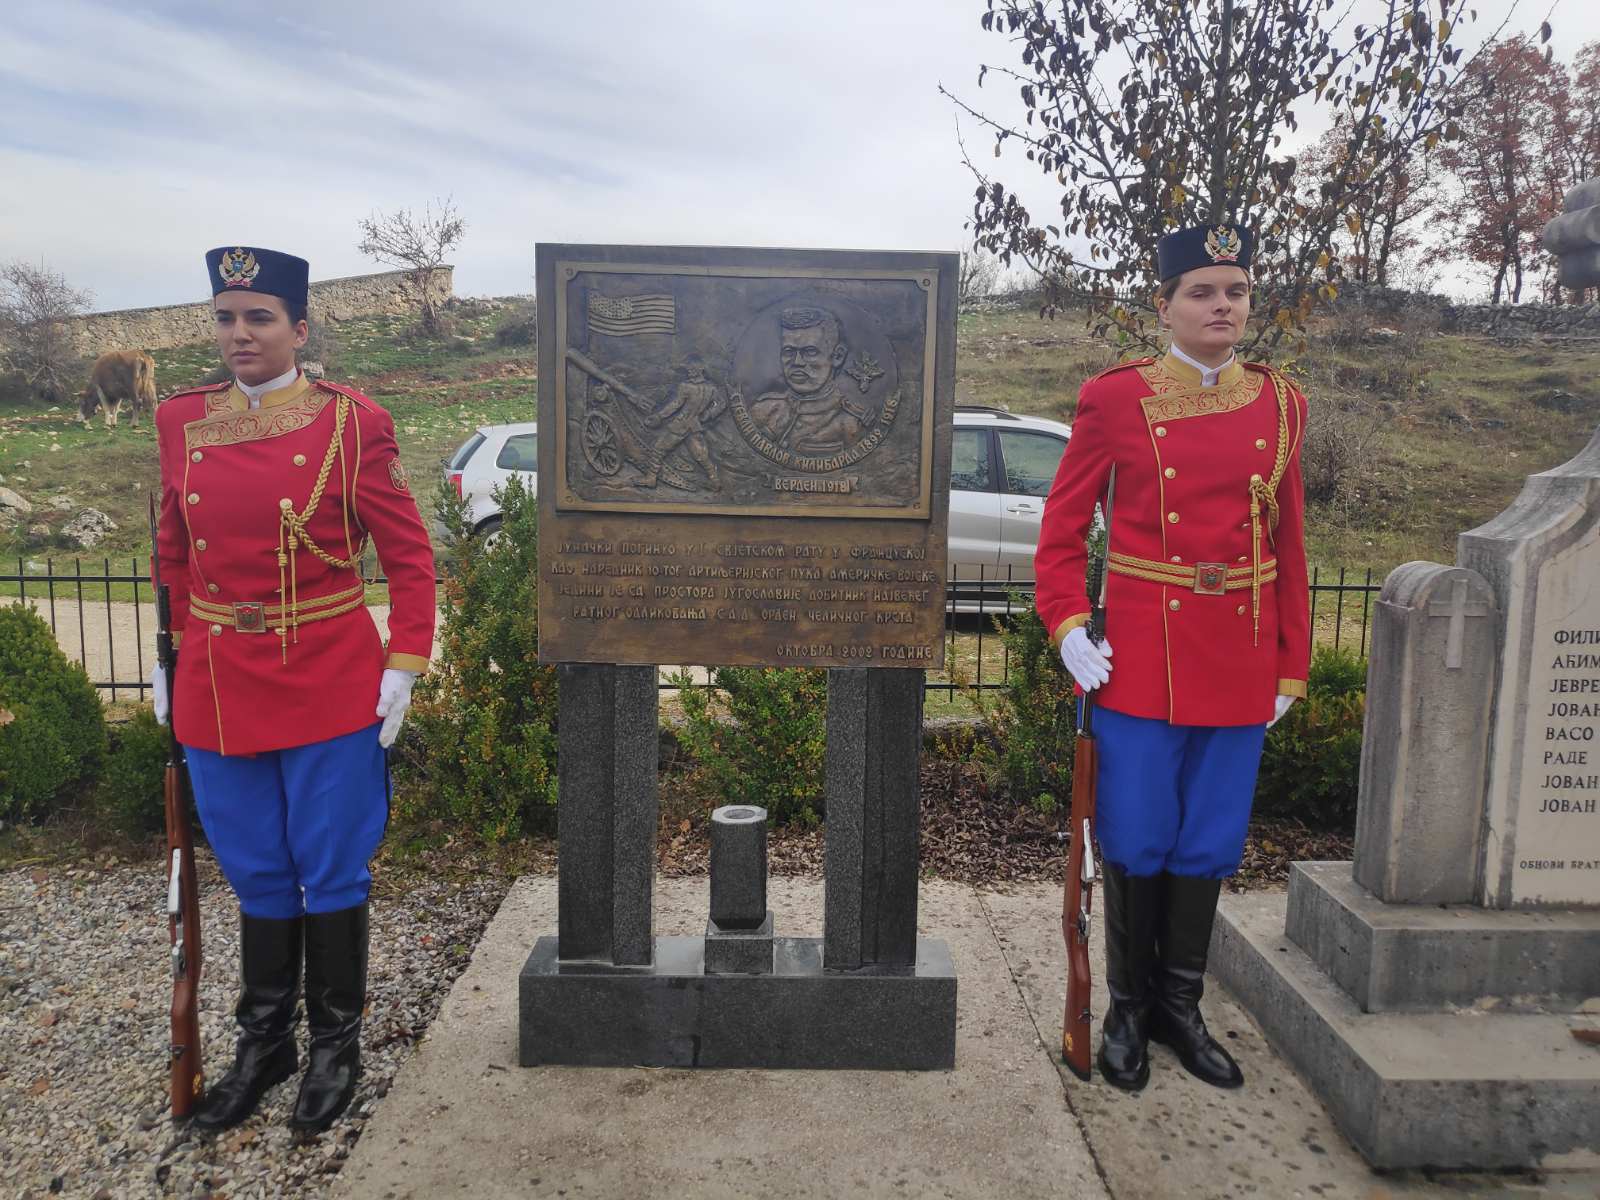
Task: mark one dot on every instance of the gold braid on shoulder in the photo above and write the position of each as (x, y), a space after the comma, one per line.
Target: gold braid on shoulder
(293, 531)
(1264, 496)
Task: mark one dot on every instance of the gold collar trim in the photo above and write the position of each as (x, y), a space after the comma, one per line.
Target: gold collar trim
(1189, 376)
(233, 399)
(1177, 393)
(225, 425)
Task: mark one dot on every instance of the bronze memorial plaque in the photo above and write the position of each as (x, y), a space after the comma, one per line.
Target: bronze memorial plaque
(744, 455)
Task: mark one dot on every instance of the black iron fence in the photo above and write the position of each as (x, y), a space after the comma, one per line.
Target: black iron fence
(979, 603)
(105, 618)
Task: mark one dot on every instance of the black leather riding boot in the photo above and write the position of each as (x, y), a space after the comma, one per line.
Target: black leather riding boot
(1185, 940)
(269, 984)
(1133, 909)
(336, 992)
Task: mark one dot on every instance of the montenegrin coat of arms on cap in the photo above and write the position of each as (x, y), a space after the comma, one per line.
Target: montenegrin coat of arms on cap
(1224, 244)
(238, 268)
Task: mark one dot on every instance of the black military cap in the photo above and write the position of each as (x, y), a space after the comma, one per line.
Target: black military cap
(1204, 246)
(251, 268)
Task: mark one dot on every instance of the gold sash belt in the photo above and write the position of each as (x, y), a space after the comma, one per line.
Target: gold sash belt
(257, 617)
(1208, 579)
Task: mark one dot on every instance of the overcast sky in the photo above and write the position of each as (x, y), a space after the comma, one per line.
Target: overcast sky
(135, 135)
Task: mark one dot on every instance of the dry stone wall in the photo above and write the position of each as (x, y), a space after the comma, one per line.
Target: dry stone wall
(1515, 321)
(383, 294)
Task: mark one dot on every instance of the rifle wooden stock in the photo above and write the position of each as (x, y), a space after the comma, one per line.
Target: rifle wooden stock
(1076, 898)
(183, 927)
(183, 886)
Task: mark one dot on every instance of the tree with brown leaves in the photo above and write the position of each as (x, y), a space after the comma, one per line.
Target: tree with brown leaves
(1386, 219)
(1151, 115)
(1505, 167)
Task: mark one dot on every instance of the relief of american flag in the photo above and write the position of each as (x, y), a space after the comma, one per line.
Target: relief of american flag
(624, 316)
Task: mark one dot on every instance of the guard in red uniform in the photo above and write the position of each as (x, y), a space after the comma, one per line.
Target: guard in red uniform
(1208, 612)
(286, 697)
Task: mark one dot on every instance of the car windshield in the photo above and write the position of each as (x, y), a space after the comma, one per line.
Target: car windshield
(459, 458)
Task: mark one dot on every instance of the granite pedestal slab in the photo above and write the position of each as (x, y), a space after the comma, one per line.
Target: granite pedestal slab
(1420, 957)
(1463, 1088)
(673, 1014)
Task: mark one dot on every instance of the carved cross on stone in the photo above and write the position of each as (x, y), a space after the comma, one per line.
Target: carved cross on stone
(1458, 609)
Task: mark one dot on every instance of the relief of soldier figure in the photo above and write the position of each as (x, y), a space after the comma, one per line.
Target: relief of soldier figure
(624, 425)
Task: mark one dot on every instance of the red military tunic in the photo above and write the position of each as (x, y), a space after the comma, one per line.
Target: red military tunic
(281, 650)
(1207, 608)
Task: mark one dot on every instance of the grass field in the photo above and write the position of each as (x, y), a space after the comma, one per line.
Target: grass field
(437, 390)
(1452, 424)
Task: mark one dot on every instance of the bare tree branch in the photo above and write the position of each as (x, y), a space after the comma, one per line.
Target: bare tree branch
(416, 244)
(36, 305)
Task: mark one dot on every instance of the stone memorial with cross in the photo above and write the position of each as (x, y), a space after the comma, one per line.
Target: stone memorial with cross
(744, 460)
(1430, 990)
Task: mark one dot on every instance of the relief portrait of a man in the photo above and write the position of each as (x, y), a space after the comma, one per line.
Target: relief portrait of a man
(813, 415)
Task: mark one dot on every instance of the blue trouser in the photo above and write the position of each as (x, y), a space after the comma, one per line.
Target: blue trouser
(1174, 798)
(294, 829)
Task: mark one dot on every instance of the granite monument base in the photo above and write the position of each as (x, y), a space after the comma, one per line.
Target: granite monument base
(1417, 957)
(673, 1014)
(739, 951)
(1463, 1085)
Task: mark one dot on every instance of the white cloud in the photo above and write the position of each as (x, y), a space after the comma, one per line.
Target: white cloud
(133, 137)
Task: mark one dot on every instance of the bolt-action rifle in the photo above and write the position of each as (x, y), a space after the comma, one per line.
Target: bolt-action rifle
(1078, 893)
(183, 890)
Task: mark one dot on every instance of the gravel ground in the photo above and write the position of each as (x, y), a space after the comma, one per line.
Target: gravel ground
(83, 1029)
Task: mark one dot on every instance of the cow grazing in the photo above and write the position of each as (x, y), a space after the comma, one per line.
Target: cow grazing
(119, 375)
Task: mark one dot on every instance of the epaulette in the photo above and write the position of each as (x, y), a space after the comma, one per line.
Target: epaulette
(202, 390)
(1121, 366)
(349, 393)
(1272, 372)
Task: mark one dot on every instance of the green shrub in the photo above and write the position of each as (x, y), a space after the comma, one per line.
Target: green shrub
(132, 796)
(1312, 761)
(758, 739)
(52, 730)
(1035, 719)
(480, 745)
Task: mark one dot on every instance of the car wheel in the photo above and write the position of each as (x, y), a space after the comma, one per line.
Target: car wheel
(489, 531)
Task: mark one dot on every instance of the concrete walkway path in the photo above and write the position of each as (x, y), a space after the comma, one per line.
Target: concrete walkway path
(463, 1119)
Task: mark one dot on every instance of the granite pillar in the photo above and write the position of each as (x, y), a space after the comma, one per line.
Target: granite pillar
(874, 732)
(607, 812)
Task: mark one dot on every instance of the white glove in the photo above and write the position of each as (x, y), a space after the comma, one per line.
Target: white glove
(1090, 665)
(394, 698)
(158, 694)
(1283, 706)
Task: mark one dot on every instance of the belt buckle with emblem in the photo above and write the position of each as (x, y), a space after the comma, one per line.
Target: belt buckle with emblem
(1210, 579)
(250, 617)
